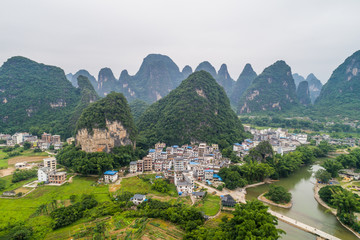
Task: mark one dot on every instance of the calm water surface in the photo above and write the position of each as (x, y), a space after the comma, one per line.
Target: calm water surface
(305, 208)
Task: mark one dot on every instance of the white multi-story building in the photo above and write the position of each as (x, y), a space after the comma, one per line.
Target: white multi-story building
(43, 174)
(110, 176)
(133, 167)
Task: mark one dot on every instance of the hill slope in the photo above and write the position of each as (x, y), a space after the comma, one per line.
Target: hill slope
(196, 111)
(35, 97)
(88, 95)
(105, 124)
(243, 82)
(315, 86)
(157, 76)
(303, 93)
(273, 90)
(340, 95)
(74, 78)
(224, 79)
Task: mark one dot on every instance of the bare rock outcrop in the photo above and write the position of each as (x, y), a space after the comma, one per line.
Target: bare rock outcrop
(103, 140)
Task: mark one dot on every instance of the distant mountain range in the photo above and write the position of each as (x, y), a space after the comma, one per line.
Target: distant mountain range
(36, 97)
(273, 90)
(314, 84)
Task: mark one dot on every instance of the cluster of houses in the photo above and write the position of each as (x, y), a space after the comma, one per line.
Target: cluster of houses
(48, 173)
(44, 143)
(352, 142)
(183, 164)
(280, 139)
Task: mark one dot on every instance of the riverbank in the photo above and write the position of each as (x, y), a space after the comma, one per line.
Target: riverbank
(317, 187)
(265, 200)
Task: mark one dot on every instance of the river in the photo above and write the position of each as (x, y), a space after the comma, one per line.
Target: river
(305, 208)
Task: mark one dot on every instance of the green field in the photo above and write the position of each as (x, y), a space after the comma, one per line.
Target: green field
(26, 153)
(14, 210)
(3, 162)
(210, 205)
(12, 186)
(137, 185)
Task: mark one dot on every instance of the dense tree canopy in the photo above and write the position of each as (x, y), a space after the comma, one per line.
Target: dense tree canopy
(196, 111)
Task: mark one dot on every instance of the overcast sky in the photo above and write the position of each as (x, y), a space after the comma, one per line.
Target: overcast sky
(310, 35)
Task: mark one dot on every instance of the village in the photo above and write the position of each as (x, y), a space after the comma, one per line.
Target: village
(46, 142)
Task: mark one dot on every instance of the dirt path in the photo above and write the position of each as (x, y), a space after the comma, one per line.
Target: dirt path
(28, 159)
(7, 172)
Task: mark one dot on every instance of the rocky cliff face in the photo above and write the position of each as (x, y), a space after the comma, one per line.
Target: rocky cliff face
(314, 86)
(273, 90)
(73, 78)
(243, 82)
(106, 82)
(298, 79)
(341, 92)
(157, 76)
(33, 95)
(196, 111)
(187, 70)
(104, 139)
(206, 66)
(303, 93)
(106, 124)
(224, 79)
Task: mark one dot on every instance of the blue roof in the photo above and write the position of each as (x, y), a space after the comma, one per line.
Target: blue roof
(110, 172)
(151, 150)
(237, 144)
(210, 170)
(194, 163)
(217, 176)
(175, 146)
(211, 154)
(208, 182)
(158, 176)
(189, 147)
(163, 152)
(248, 140)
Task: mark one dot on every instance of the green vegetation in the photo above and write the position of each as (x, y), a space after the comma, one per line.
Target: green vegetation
(261, 162)
(198, 110)
(88, 95)
(160, 185)
(332, 166)
(157, 75)
(113, 107)
(278, 194)
(243, 82)
(210, 205)
(250, 221)
(344, 201)
(97, 162)
(138, 107)
(19, 210)
(20, 175)
(339, 96)
(30, 88)
(303, 93)
(323, 175)
(143, 184)
(64, 216)
(273, 90)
